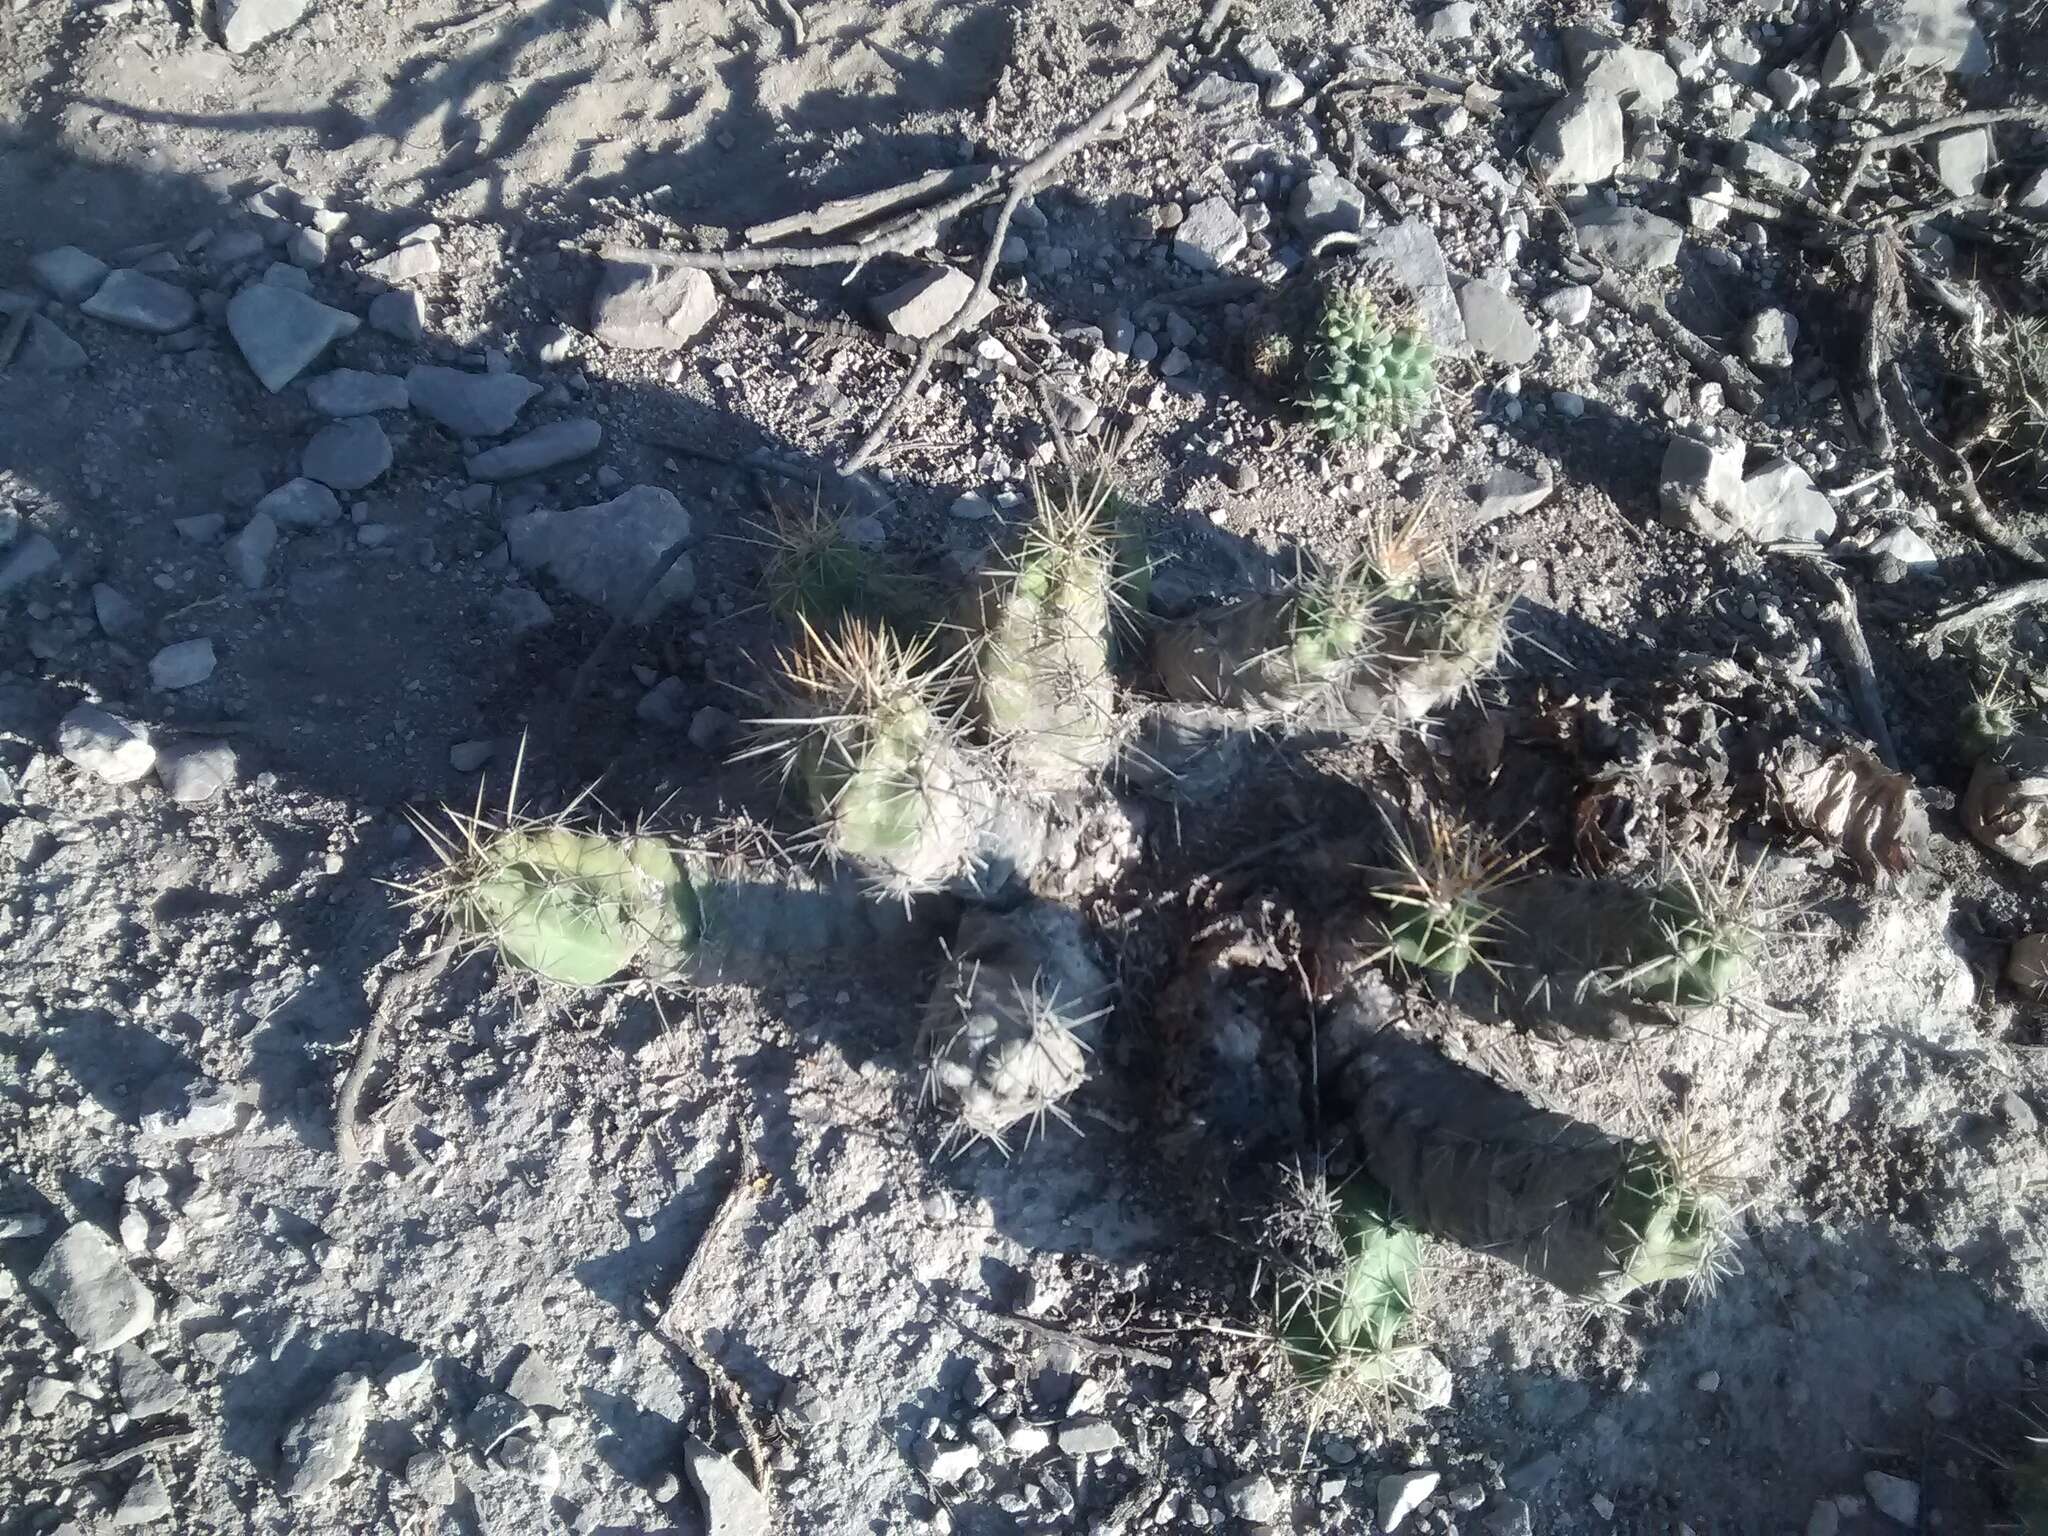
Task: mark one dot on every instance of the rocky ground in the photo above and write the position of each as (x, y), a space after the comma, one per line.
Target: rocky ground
(338, 470)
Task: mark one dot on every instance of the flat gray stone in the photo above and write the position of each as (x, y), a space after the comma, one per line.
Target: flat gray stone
(1765, 162)
(116, 614)
(321, 1445)
(146, 1388)
(432, 1479)
(1324, 204)
(605, 554)
(559, 442)
(1507, 492)
(644, 308)
(1896, 35)
(733, 1506)
(1451, 23)
(1496, 324)
(1221, 95)
(280, 332)
(90, 1287)
(928, 302)
(1781, 502)
(469, 404)
(67, 273)
(535, 1383)
(45, 348)
(1635, 77)
(185, 664)
(351, 392)
(406, 264)
(201, 527)
(28, 557)
(248, 552)
(139, 302)
(111, 749)
(245, 23)
(1768, 338)
(195, 772)
(1842, 64)
(521, 609)
(2033, 193)
(1211, 236)
(1700, 485)
(1402, 1493)
(347, 455)
(1963, 160)
(401, 314)
(1254, 1499)
(1633, 239)
(300, 503)
(1580, 141)
(1089, 1434)
(146, 1501)
(1897, 1498)
(1411, 253)
(188, 1109)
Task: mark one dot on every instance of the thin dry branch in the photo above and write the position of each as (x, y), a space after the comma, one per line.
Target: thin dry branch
(1885, 143)
(846, 212)
(1022, 181)
(1895, 401)
(1743, 389)
(400, 993)
(1852, 652)
(1969, 615)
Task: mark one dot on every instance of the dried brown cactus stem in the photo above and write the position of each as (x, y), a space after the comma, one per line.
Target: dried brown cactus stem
(1468, 1161)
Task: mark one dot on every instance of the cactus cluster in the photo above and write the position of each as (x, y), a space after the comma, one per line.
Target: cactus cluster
(1046, 620)
(1381, 639)
(1344, 1309)
(1332, 342)
(1558, 953)
(1366, 373)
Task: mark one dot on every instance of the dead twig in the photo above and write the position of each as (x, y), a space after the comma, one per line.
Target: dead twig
(1885, 143)
(791, 18)
(400, 993)
(1895, 400)
(1087, 1347)
(666, 1325)
(846, 212)
(1969, 615)
(107, 1461)
(1844, 628)
(1743, 389)
(1022, 181)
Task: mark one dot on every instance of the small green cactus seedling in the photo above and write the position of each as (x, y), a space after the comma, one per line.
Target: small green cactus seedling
(1276, 654)
(872, 740)
(1438, 906)
(575, 907)
(1988, 719)
(1366, 374)
(1046, 622)
(1343, 1312)
(815, 573)
(1008, 1028)
(1664, 1222)
(1697, 939)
